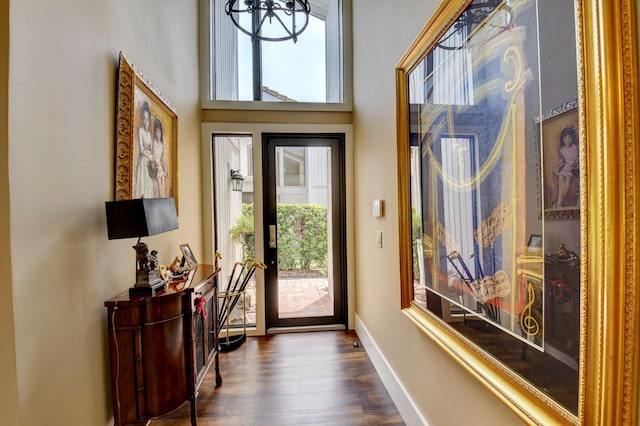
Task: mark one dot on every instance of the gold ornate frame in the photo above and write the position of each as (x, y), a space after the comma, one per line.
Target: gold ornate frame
(608, 106)
(133, 89)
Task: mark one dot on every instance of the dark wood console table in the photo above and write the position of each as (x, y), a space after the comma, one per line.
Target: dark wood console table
(562, 306)
(161, 347)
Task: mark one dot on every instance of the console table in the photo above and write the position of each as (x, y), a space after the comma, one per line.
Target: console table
(562, 306)
(161, 347)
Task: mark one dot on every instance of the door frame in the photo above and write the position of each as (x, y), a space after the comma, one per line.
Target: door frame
(338, 219)
(208, 225)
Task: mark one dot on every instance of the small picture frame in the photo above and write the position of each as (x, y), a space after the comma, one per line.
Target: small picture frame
(534, 246)
(188, 259)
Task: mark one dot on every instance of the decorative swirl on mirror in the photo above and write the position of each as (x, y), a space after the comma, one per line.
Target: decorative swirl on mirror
(514, 57)
(441, 118)
(528, 322)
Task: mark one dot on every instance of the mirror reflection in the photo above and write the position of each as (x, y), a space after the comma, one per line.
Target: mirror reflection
(495, 187)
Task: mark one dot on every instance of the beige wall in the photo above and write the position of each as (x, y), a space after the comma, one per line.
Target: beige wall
(442, 390)
(61, 104)
(56, 161)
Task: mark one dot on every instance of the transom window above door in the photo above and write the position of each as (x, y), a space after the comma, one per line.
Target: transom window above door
(276, 74)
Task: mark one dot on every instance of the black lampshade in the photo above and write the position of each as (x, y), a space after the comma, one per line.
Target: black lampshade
(140, 217)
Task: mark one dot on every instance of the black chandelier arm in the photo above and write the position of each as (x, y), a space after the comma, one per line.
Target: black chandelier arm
(291, 35)
(264, 18)
(270, 6)
(270, 9)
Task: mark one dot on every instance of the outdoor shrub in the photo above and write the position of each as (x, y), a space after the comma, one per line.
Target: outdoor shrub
(243, 233)
(416, 234)
(302, 235)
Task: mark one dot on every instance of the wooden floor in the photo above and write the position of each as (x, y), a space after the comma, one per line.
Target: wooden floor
(317, 378)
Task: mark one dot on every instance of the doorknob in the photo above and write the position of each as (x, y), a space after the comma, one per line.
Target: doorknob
(272, 236)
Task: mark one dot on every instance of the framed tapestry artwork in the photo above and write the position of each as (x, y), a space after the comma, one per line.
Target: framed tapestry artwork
(511, 214)
(146, 138)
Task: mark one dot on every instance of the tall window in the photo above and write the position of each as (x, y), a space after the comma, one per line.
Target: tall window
(460, 195)
(234, 218)
(309, 70)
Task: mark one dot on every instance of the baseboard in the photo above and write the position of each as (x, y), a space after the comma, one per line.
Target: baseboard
(403, 401)
(304, 329)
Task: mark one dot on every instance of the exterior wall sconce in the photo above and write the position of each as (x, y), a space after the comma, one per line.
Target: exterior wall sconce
(236, 180)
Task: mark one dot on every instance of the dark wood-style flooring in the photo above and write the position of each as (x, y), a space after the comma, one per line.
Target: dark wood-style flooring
(316, 378)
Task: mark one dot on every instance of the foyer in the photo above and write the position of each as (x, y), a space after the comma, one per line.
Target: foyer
(313, 378)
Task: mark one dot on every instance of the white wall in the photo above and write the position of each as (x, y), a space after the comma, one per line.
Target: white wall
(61, 107)
(444, 392)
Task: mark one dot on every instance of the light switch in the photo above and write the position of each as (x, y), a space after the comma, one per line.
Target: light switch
(379, 239)
(377, 207)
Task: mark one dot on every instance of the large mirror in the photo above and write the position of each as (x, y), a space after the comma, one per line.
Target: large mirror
(513, 251)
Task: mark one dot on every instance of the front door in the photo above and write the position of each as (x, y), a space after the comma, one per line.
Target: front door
(304, 222)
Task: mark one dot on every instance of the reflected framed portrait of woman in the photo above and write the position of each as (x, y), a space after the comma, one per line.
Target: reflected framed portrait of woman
(560, 152)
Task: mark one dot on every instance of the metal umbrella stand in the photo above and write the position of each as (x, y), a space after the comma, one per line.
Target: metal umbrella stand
(241, 274)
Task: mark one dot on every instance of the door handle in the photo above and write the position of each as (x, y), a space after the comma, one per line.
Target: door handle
(272, 236)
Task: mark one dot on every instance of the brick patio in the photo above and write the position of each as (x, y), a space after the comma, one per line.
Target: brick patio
(297, 297)
(307, 297)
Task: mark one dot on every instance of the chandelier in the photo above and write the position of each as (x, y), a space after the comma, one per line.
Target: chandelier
(286, 19)
(494, 15)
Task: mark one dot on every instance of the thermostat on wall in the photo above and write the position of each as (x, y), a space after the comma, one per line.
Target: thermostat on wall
(377, 207)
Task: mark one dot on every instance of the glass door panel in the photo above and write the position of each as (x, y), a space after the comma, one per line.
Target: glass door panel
(233, 205)
(303, 224)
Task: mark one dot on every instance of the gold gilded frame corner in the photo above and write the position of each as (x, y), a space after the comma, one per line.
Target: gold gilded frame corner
(610, 230)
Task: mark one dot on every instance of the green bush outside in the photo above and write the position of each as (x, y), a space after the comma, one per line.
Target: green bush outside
(242, 232)
(416, 234)
(302, 235)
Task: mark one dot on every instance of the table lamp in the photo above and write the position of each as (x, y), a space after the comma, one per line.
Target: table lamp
(139, 218)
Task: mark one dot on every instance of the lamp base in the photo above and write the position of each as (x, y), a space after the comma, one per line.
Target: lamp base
(147, 284)
(147, 290)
